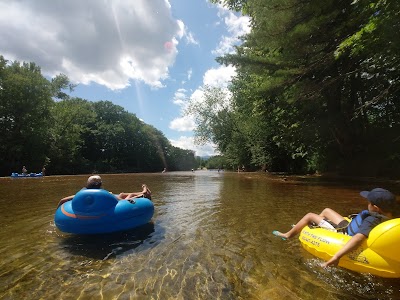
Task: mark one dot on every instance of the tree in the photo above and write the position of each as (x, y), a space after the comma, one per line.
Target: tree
(312, 83)
(212, 117)
(73, 125)
(41, 124)
(25, 103)
(60, 83)
(237, 5)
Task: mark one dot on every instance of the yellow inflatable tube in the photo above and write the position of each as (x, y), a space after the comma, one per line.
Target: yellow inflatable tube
(377, 255)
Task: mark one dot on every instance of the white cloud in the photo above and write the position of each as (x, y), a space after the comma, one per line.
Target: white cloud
(186, 142)
(237, 26)
(189, 73)
(184, 123)
(219, 77)
(190, 38)
(215, 77)
(180, 97)
(107, 42)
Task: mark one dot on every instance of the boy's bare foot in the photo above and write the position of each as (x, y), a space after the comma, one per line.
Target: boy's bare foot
(279, 234)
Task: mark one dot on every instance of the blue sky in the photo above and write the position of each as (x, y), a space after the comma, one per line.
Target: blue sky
(149, 56)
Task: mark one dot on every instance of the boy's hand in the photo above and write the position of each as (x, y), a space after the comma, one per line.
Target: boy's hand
(332, 262)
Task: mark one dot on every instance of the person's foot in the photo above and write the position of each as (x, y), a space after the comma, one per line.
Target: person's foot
(146, 191)
(279, 234)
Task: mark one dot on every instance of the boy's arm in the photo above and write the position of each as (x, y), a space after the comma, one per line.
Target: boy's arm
(352, 244)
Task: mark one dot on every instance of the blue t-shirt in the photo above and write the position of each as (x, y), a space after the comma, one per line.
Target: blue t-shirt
(370, 222)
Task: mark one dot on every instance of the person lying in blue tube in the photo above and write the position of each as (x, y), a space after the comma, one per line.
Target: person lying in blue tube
(95, 182)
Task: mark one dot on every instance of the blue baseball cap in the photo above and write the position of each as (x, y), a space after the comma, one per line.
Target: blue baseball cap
(382, 198)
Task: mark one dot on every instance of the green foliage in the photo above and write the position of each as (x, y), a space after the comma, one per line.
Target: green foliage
(210, 115)
(380, 28)
(317, 89)
(216, 162)
(25, 104)
(237, 5)
(73, 121)
(317, 83)
(73, 135)
(60, 83)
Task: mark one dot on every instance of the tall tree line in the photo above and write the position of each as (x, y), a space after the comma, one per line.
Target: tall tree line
(40, 125)
(317, 89)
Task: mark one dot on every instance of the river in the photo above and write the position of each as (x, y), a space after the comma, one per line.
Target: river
(210, 238)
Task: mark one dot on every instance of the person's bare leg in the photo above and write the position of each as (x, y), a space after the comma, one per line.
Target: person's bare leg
(65, 199)
(122, 196)
(144, 193)
(134, 195)
(307, 219)
(139, 194)
(129, 195)
(331, 215)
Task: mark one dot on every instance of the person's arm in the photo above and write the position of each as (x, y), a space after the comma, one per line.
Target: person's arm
(352, 244)
(65, 199)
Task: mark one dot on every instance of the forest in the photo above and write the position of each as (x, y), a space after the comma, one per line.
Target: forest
(317, 89)
(42, 126)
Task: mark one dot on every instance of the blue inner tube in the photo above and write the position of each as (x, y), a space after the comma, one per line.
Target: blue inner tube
(94, 211)
(16, 175)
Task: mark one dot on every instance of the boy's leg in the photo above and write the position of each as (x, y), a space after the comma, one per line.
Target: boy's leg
(331, 215)
(307, 219)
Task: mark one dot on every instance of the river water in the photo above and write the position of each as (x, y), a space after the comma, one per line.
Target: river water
(210, 238)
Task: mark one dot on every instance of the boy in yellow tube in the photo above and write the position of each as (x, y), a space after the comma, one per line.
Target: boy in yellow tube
(381, 206)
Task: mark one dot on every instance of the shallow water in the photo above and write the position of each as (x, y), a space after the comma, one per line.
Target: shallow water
(210, 239)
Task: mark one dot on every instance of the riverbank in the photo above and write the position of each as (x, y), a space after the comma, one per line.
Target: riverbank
(321, 178)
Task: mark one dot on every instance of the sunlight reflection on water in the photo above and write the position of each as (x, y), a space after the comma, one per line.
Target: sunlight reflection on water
(210, 239)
